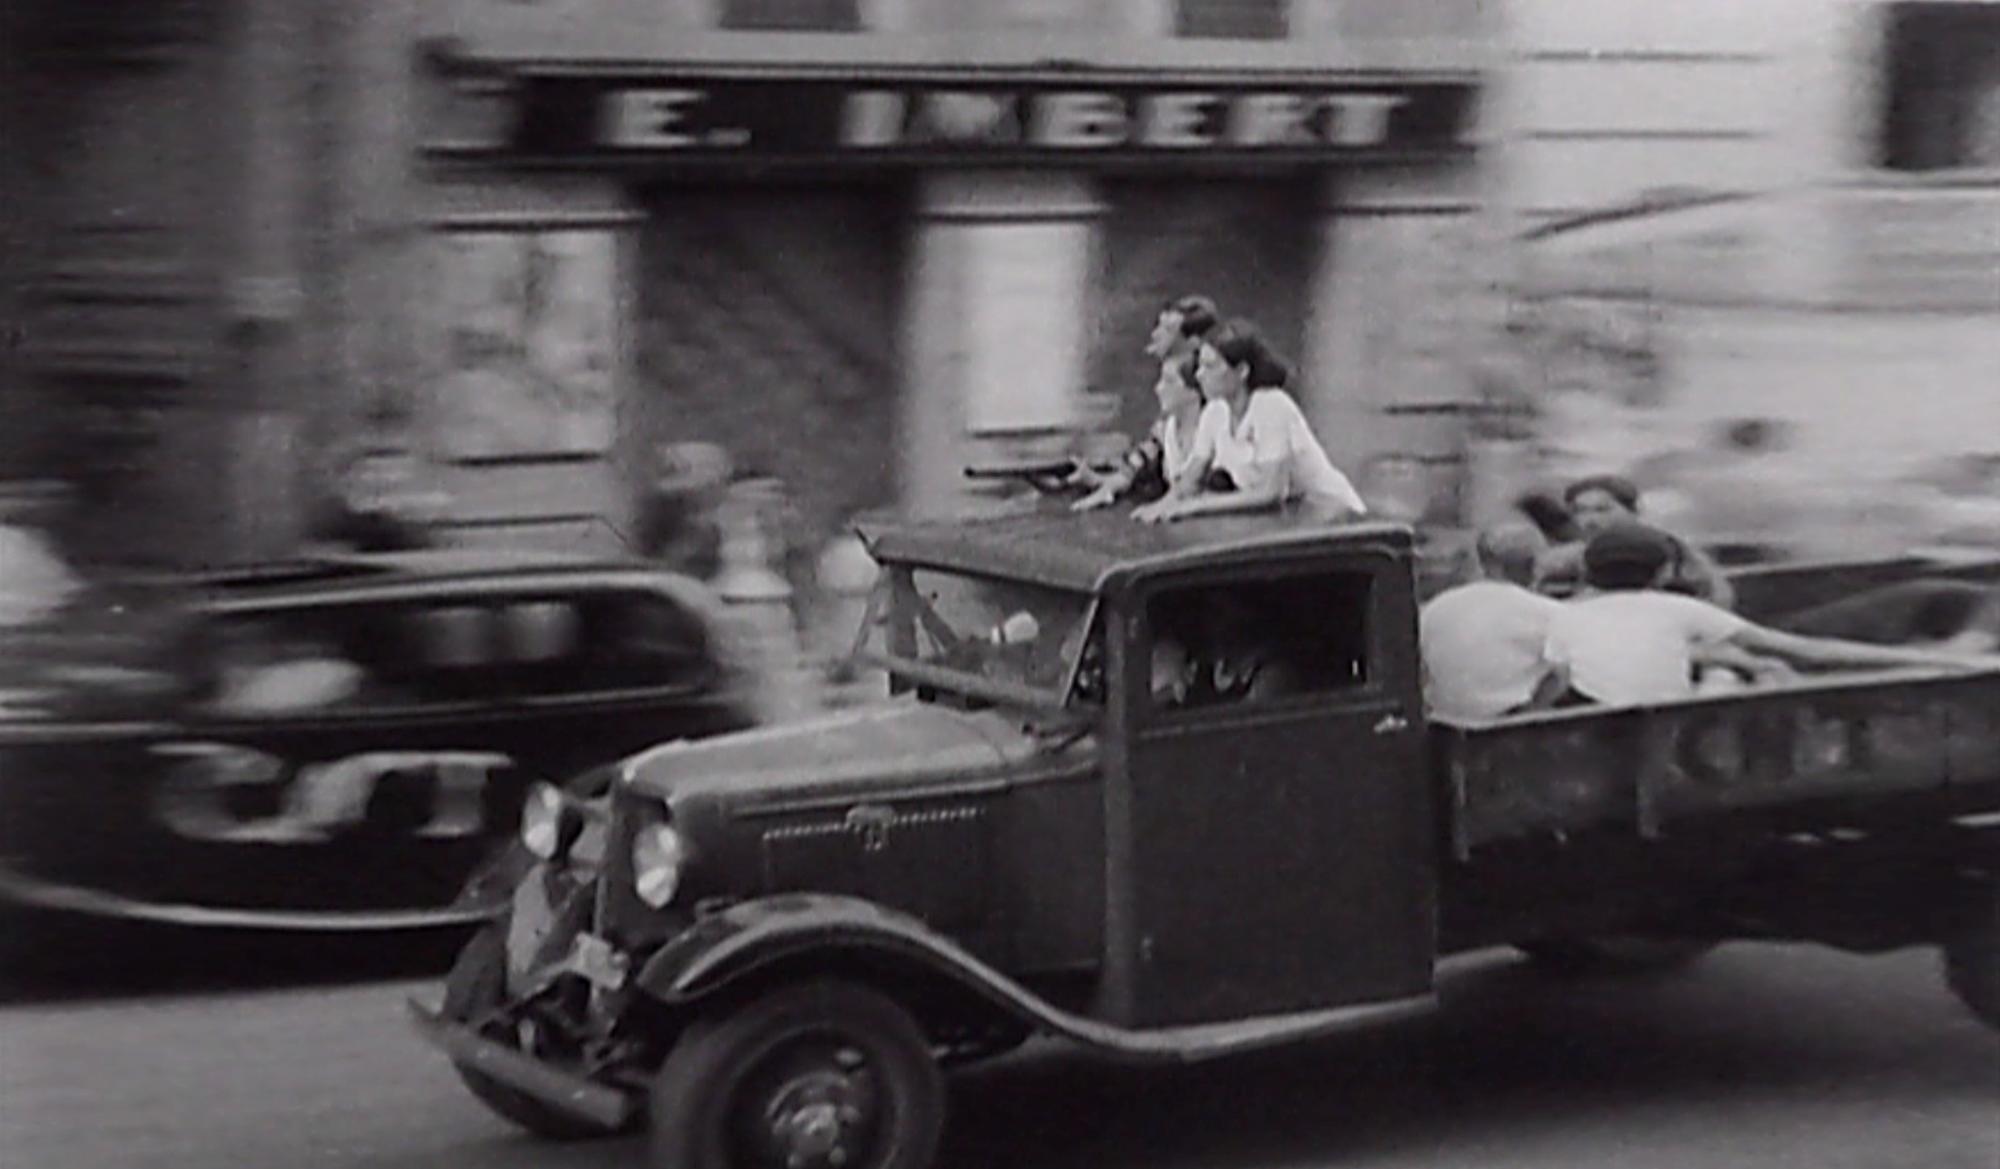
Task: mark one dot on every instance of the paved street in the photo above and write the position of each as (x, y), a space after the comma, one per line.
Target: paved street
(1762, 1057)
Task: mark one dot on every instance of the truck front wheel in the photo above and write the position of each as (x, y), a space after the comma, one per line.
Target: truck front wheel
(813, 1075)
(1972, 967)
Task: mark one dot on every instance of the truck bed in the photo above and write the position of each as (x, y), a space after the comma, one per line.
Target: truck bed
(1867, 737)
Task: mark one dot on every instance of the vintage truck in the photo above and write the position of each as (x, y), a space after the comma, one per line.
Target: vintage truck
(1080, 816)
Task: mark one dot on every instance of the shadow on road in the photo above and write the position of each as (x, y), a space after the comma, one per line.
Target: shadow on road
(1513, 1051)
(60, 958)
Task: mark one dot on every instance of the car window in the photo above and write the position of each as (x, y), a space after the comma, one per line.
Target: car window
(1258, 642)
(269, 665)
(640, 639)
(495, 648)
(539, 632)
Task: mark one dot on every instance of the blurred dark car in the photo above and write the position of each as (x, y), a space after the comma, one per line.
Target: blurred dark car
(333, 744)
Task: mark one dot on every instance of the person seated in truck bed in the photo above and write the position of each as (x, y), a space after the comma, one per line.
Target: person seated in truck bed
(1602, 501)
(1484, 644)
(1625, 641)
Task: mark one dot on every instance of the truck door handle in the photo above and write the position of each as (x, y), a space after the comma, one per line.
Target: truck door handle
(1391, 723)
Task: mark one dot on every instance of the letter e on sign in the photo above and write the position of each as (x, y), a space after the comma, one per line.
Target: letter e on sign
(650, 119)
(1174, 120)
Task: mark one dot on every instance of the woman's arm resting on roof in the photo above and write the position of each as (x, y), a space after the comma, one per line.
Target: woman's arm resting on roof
(1208, 503)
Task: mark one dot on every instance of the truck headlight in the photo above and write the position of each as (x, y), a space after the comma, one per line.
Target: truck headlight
(657, 857)
(545, 819)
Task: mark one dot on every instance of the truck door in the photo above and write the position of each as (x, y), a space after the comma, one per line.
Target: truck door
(1273, 851)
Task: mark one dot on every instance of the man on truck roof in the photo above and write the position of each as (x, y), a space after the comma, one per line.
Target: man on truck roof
(1625, 641)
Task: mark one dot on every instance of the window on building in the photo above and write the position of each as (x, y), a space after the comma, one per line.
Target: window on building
(1942, 91)
(1268, 20)
(793, 15)
(1259, 642)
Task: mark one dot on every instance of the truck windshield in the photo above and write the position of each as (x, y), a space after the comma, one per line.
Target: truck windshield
(998, 638)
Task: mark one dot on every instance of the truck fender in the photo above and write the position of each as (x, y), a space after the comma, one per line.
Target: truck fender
(725, 947)
(722, 948)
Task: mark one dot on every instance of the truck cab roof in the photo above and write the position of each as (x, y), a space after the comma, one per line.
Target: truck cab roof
(1096, 552)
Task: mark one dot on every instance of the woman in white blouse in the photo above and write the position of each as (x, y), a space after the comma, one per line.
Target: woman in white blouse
(1257, 451)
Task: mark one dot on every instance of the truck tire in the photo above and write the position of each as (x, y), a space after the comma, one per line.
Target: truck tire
(477, 984)
(1972, 967)
(811, 1075)
(1614, 955)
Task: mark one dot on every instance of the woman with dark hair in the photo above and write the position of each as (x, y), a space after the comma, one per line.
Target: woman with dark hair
(1151, 469)
(1177, 332)
(1257, 450)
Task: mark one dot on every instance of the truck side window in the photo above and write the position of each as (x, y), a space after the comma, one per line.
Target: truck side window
(1259, 641)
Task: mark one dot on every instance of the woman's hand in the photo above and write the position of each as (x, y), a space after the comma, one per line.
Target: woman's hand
(1081, 475)
(1160, 511)
(1105, 494)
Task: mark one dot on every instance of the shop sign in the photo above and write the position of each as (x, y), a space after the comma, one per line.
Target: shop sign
(597, 118)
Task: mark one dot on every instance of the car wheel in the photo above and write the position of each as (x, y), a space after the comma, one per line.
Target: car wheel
(1614, 955)
(817, 1075)
(476, 986)
(1972, 967)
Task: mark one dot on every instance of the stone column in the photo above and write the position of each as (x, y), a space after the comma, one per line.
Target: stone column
(1393, 325)
(999, 291)
(253, 428)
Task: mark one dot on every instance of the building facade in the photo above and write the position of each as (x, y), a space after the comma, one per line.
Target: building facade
(156, 229)
(856, 244)
(1784, 213)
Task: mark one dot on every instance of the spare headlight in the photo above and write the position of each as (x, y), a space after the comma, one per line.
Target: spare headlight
(542, 820)
(657, 857)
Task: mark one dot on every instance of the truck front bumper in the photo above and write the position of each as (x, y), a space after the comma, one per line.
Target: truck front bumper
(574, 1095)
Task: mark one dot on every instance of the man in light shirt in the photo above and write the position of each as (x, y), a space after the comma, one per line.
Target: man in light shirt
(1625, 642)
(1484, 644)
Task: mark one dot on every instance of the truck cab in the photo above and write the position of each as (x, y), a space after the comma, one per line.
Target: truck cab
(1166, 792)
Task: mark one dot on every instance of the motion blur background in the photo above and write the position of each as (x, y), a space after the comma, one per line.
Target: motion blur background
(538, 246)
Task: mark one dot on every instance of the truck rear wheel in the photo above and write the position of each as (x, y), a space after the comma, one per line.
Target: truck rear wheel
(1972, 967)
(813, 1075)
(1614, 955)
(476, 986)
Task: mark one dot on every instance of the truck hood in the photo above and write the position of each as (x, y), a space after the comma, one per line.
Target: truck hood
(898, 741)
